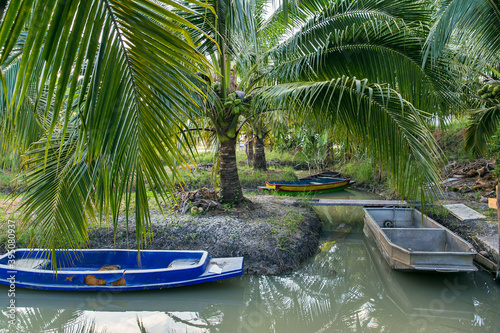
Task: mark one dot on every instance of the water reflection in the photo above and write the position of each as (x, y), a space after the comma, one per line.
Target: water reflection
(46, 320)
(332, 216)
(345, 288)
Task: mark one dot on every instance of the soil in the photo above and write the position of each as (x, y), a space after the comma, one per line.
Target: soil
(468, 230)
(272, 234)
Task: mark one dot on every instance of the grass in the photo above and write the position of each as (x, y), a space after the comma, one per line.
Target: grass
(196, 179)
(361, 170)
(284, 226)
(451, 139)
(285, 157)
(290, 221)
(250, 178)
(365, 173)
(8, 215)
(6, 184)
(490, 212)
(437, 212)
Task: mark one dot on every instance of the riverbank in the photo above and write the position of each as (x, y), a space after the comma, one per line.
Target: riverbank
(477, 232)
(272, 235)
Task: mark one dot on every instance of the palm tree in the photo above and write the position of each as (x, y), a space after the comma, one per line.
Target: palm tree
(328, 46)
(109, 88)
(357, 65)
(473, 28)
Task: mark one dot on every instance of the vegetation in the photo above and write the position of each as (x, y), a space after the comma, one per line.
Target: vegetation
(473, 27)
(110, 98)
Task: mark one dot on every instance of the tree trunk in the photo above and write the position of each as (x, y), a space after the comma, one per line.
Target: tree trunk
(249, 151)
(230, 187)
(259, 159)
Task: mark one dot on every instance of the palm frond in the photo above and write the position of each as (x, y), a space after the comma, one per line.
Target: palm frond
(484, 124)
(367, 43)
(474, 23)
(389, 126)
(116, 83)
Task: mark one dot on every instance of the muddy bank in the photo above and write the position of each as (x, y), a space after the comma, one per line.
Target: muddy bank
(273, 236)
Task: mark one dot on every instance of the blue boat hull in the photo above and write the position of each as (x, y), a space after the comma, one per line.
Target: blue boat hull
(130, 270)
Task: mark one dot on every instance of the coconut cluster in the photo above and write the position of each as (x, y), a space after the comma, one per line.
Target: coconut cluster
(490, 91)
(233, 102)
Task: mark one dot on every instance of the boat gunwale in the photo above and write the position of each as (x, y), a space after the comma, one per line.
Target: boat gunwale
(201, 262)
(205, 277)
(306, 190)
(276, 184)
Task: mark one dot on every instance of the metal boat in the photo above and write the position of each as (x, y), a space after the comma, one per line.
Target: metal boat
(411, 241)
(117, 270)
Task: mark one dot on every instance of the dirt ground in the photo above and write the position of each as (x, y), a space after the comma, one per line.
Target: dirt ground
(271, 234)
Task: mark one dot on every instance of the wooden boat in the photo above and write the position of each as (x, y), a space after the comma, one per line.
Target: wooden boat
(411, 241)
(114, 269)
(312, 185)
(322, 175)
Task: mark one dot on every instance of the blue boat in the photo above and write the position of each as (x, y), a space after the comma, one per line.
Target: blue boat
(114, 270)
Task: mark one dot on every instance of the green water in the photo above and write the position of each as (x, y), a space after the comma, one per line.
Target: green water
(346, 287)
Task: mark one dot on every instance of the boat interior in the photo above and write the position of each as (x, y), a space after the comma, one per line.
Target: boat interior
(100, 260)
(311, 181)
(410, 229)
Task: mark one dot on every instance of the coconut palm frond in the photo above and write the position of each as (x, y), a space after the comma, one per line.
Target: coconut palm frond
(389, 126)
(484, 124)
(115, 82)
(371, 44)
(474, 23)
(472, 28)
(19, 129)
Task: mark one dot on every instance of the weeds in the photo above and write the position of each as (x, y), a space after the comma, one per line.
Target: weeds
(490, 212)
(290, 221)
(438, 211)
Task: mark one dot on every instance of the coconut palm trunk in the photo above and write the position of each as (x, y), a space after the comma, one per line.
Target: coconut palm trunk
(259, 159)
(249, 151)
(230, 188)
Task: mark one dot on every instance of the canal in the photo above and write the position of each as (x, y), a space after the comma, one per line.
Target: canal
(346, 287)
